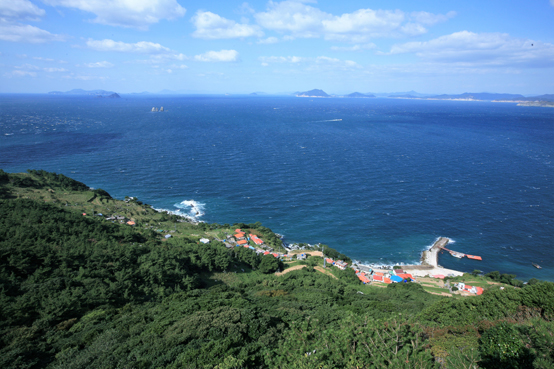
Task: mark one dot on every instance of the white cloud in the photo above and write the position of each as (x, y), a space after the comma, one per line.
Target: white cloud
(345, 64)
(430, 18)
(126, 13)
(367, 46)
(218, 56)
(17, 32)
(363, 24)
(142, 47)
(29, 70)
(43, 59)
(301, 20)
(481, 49)
(50, 70)
(212, 26)
(281, 59)
(178, 66)
(27, 66)
(245, 8)
(413, 29)
(269, 40)
(101, 64)
(20, 73)
(158, 54)
(20, 10)
(84, 77)
(294, 17)
(164, 58)
(310, 63)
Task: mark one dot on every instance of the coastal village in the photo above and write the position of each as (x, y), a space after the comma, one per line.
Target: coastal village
(133, 213)
(429, 274)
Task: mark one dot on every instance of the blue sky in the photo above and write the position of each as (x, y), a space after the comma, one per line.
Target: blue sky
(277, 46)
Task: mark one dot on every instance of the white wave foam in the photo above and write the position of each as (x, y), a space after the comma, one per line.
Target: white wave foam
(382, 265)
(195, 209)
(188, 209)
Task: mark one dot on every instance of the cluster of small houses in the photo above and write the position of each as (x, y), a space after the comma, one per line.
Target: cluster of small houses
(471, 289)
(115, 217)
(394, 276)
(241, 239)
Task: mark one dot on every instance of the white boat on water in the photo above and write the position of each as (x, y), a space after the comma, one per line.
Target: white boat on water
(458, 255)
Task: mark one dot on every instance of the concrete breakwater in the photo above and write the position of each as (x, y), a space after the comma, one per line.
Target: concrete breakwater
(430, 263)
(431, 256)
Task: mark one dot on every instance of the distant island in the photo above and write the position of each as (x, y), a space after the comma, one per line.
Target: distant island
(359, 95)
(321, 93)
(79, 91)
(312, 93)
(546, 100)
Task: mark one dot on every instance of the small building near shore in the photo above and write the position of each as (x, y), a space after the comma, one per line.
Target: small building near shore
(396, 279)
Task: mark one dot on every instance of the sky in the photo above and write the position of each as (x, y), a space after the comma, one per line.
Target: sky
(278, 47)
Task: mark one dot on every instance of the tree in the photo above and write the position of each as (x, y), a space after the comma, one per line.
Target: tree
(269, 264)
(503, 347)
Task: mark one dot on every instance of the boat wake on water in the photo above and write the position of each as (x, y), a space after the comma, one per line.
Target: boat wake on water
(328, 120)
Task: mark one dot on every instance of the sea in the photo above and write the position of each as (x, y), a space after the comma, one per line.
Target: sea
(379, 179)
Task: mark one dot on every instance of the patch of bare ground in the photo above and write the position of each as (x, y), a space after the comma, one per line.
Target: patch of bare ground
(311, 253)
(296, 267)
(431, 281)
(320, 269)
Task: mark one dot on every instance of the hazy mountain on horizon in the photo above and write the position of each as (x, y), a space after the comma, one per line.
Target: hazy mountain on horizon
(487, 96)
(313, 93)
(79, 91)
(359, 95)
(411, 93)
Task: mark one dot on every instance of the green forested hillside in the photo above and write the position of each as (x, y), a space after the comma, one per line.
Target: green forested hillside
(82, 292)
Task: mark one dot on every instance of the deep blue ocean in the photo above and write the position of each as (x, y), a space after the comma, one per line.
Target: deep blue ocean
(378, 179)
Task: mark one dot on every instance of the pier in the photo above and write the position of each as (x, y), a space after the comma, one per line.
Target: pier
(431, 256)
(430, 263)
